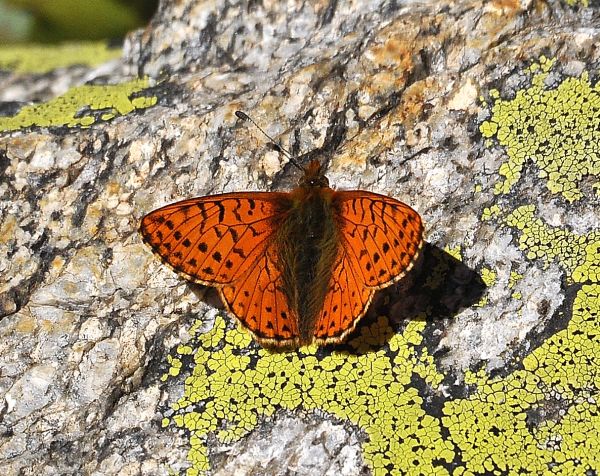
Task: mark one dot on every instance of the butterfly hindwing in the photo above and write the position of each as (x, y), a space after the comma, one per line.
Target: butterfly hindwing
(380, 242)
(259, 301)
(346, 298)
(227, 241)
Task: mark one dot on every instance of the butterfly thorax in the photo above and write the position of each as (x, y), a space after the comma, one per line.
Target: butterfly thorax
(308, 246)
(313, 177)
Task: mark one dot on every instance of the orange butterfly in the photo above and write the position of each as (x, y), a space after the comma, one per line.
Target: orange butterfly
(294, 267)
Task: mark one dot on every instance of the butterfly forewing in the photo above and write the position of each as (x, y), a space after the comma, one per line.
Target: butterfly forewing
(380, 242)
(213, 240)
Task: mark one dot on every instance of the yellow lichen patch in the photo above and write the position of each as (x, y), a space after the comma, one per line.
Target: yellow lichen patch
(512, 282)
(578, 254)
(514, 279)
(489, 276)
(455, 252)
(555, 128)
(43, 58)
(81, 105)
(436, 275)
(506, 426)
(426, 369)
(492, 212)
(234, 384)
(503, 426)
(497, 428)
(542, 419)
(174, 369)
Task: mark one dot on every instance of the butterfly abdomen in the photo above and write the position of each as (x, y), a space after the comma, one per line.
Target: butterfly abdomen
(309, 241)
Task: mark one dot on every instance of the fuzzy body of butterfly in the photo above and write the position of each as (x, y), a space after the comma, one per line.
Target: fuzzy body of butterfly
(296, 267)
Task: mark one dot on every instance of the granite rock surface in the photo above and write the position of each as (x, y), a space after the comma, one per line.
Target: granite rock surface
(483, 116)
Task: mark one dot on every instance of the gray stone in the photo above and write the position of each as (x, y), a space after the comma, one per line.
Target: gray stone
(393, 97)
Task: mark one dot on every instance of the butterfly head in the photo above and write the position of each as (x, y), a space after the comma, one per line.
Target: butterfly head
(314, 176)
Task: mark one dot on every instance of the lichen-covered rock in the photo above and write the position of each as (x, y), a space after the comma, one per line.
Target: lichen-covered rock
(484, 117)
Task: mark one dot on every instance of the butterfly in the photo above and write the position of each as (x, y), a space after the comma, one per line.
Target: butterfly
(296, 267)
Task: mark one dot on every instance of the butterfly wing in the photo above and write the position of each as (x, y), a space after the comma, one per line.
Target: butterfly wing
(226, 241)
(259, 301)
(380, 241)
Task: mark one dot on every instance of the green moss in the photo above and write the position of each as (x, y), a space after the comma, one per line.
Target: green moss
(82, 106)
(43, 58)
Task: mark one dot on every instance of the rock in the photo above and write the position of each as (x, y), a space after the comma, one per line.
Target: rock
(484, 117)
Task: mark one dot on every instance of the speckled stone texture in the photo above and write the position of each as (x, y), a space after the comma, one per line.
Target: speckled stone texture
(483, 116)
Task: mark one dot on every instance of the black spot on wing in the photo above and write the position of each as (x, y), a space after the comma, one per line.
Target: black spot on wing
(221, 211)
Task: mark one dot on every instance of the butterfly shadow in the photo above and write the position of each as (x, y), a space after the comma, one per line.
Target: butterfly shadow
(436, 290)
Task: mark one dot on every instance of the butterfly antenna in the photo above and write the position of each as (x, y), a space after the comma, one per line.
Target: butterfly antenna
(274, 145)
